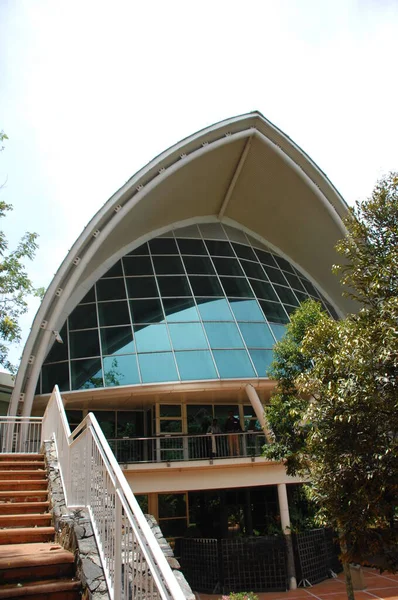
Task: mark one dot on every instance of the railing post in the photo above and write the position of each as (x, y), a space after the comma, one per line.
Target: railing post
(118, 563)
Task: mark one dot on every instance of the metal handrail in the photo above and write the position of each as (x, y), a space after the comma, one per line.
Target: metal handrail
(20, 435)
(185, 447)
(133, 562)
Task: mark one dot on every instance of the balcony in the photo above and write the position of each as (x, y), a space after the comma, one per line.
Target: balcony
(170, 448)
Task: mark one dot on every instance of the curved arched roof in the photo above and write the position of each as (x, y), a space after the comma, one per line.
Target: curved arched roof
(243, 171)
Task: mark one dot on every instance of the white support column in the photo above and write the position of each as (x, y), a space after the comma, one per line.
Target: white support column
(259, 410)
(285, 523)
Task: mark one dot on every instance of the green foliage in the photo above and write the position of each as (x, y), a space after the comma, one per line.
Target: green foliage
(286, 411)
(15, 285)
(346, 416)
(240, 596)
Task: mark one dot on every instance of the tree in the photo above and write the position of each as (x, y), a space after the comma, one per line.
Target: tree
(15, 285)
(347, 409)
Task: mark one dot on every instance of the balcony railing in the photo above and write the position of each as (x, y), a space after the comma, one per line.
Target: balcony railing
(20, 435)
(169, 448)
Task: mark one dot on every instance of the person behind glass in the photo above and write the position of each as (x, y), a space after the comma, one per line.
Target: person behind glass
(213, 429)
(232, 427)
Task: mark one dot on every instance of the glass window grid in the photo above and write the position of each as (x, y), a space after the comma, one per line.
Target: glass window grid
(174, 234)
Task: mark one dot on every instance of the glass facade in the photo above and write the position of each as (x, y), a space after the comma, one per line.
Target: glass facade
(204, 302)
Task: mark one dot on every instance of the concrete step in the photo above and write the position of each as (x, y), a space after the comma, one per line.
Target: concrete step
(21, 465)
(18, 508)
(67, 589)
(23, 495)
(32, 520)
(25, 535)
(22, 474)
(34, 562)
(22, 456)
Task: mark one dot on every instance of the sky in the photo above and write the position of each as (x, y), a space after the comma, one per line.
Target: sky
(91, 90)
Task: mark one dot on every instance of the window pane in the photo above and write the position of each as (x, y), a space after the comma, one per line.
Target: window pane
(151, 338)
(199, 417)
(157, 367)
(275, 275)
(141, 250)
(137, 265)
(172, 505)
(262, 360)
(89, 297)
(146, 311)
(274, 312)
(180, 309)
(56, 374)
(212, 231)
(228, 266)
(192, 247)
(170, 410)
(233, 363)
(309, 287)
(171, 427)
(294, 282)
(115, 271)
(236, 287)
(244, 251)
(301, 296)
(167, 265)
(121, 370)
(205, 285)
(185, 336)
(86, 374)
(84, 343)
(246, 310)
(111, 289)
(266, 258)
(214, 310)
(196, 365)
(278, 330)
(219, 248)
(84, 316)
(198, 265)
(286, 295)
(284, 264)
(257, 335)
(163, 246)
(262, 289)
(113, 313)
(223, 335)
(142, 287)
(106, 420)
(117, 340)
(59, 351)
(254, 270)
(174, 286)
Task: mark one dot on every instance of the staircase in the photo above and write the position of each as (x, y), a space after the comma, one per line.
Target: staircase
(32, 566)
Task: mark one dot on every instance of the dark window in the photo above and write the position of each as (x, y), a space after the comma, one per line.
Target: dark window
(266, 258)
(59, 351)
(113, 313)
(244, 251)
(275, 275)
(89, 297)
(163, 246)
(167, 265)
(111, 289)
(236, 287)
(219, 248)
(205, 285)
(286, 295)
(84, 343)
(264, 290)
(146, 311)
(174, 286)
(56, 374)
(180, 309)
(274, 312)
(294, 282)
(140, 251)
(86, 374)
(137, 265)
(191, 246)
(142, 287)
(83, 317)
(228, 266)
(117, 340)
(284, 264)
(254, 270)
(198, 265)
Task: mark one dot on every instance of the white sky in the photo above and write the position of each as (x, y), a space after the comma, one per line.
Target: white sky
(91, 90)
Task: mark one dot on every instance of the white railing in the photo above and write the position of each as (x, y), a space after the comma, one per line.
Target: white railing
(174, 447)
(20, 435)
(133, 562)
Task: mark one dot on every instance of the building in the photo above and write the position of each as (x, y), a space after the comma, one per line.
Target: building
(164, 313)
